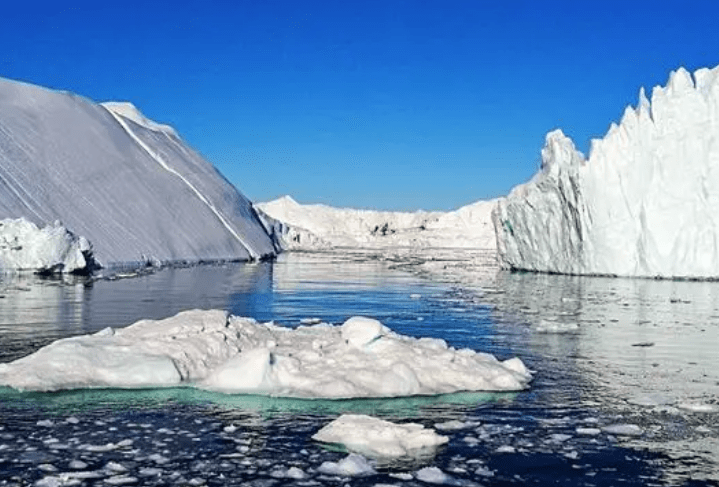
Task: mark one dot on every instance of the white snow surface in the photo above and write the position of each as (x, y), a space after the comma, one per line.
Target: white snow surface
(645, 203)
(377, 438)
(24, 246)
(130, 186)
(317, 227)
(216, 351)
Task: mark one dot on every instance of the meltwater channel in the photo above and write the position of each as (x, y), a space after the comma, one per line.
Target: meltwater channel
(626, 389)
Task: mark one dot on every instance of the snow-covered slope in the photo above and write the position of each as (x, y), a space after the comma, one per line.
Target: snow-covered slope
(131, 186)
(645, 202)
(311, 227)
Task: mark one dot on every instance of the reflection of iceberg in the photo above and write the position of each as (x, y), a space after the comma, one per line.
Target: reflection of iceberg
(643, 204)
(212, 350)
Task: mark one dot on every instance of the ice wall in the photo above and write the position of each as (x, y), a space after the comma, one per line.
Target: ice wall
(645, 203)
(315, 227)
(131, 186)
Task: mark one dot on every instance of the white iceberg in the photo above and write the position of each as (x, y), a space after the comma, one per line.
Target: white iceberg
(374, 437)
(215, 351)
(318, 227)
(645, 202)
(130, 186)
(52, 249)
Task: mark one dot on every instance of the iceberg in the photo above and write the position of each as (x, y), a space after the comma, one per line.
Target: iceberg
(377, 438)
(52, 249)
(320, 227)
(216, 351)
(130, 186)
(643, 204)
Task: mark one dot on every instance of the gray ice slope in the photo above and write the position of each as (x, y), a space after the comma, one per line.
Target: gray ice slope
(136, 191)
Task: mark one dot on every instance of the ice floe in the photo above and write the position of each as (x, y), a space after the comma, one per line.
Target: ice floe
(374, 437)
(216, 351)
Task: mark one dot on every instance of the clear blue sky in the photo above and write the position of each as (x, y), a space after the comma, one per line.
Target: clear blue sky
(379, 104)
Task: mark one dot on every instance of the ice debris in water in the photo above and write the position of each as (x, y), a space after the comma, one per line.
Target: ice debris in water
(216, 351)
(353, 465)
(375, 437)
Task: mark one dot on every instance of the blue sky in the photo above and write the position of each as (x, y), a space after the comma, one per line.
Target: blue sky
(377, 104)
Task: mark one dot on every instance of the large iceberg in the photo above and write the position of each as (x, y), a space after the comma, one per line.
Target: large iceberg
(317, 227)
(130, 186)
(215, 351)
(645, 203)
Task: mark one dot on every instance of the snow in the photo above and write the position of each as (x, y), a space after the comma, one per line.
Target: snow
(24, 246)
(374, 437)
(318, 227)
(130, 186)
(644, 203)
(215, 351)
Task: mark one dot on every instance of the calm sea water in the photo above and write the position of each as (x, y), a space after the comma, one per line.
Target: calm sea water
(607, 353)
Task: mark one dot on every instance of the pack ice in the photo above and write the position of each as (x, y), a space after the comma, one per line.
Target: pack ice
(317, 227)
(129, 186)
(645, 203)
(213, 350)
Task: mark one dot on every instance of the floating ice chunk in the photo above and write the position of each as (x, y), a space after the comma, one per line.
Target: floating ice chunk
(698, 408)
(506, 449)
(588, 431)
(547, 326)
(453, 425)
(24, 246)
(375, 437)
(433, 475)
(623, 430)
(212, 350)
(351, 466)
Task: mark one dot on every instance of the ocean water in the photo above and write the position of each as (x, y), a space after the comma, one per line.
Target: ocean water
(626, 390)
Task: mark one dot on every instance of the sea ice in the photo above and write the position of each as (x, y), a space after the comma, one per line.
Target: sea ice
(374, 437)
(643, 204)
(216, 351)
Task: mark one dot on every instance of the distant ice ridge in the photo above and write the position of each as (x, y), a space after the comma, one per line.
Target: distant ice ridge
(215, 351)
(316, 227)
(129, 185)
(645, 203)
(52, 249)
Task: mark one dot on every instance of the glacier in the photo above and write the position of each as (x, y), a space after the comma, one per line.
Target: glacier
(645, 203)
(321, 227)
(130, 186)
(213, 350)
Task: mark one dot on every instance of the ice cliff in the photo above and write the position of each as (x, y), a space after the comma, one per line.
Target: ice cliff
(314, 227)
(644, 203)
(130, 186)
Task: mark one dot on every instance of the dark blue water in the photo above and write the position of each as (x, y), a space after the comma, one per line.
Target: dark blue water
(190, 437)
